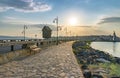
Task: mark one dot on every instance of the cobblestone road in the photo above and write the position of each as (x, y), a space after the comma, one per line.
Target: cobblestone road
(53, 62)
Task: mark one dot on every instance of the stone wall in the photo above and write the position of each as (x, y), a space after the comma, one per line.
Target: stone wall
(13, 55)
(4, 58)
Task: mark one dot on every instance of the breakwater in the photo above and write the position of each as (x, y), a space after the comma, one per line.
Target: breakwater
(52, 62)
(87, 54)
(95, 63)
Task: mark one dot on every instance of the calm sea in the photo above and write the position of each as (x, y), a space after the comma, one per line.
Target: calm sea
(5, 49)
(112, 48)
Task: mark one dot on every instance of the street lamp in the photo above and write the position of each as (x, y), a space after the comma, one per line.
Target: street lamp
(36, 36)
(56, 21)
(66, 31)
(24, 31)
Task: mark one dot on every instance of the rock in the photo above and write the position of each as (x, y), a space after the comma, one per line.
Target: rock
(87, 73)
(102, 60)
(97, 76)
(92, 56)
(84, 67)
(115, 77)
(117, 60)
(100, 70)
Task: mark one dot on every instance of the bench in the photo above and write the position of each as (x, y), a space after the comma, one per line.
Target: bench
(34, 48)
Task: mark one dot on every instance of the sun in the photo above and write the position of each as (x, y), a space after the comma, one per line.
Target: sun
(73, 21)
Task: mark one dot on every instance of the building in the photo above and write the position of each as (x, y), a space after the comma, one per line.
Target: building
(46, 32)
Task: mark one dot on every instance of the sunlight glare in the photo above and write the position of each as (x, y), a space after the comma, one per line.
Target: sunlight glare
(73, 21)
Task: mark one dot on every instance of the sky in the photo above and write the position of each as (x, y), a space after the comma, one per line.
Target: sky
(81, 17)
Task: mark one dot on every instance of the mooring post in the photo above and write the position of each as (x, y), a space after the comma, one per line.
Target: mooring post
(12, 47)
(37, 44)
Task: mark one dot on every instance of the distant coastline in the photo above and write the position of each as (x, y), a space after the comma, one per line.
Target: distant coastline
(12, 37)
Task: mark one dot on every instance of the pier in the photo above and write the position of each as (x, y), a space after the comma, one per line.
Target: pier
(53, 62)
(45, 42)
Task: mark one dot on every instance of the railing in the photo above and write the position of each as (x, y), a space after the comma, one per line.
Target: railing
(92, 38)
(38, 42)
(11, 44)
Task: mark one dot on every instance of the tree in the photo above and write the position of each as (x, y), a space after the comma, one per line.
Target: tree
(46, 32)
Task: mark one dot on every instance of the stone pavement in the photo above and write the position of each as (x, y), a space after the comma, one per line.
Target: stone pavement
(53, 62)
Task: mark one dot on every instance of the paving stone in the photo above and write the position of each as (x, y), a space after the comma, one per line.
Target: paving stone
(52, 62)
(62, 74)
(72, 77)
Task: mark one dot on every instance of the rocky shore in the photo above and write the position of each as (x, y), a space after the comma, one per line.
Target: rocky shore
(88, 56)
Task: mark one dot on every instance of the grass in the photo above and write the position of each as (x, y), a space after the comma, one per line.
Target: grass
(114, 69)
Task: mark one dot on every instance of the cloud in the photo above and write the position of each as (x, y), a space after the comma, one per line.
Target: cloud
(10, 18)
(110, 20)
(53, 27)
(24, 6)
(18, 22)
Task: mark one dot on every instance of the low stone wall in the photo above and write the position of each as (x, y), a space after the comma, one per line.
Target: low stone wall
(13, 55)
(4, 58)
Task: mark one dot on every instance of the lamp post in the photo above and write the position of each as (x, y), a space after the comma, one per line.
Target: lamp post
(56, 21)
(36, 36)
(24, 31)
(66, 33)
(57, 30)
